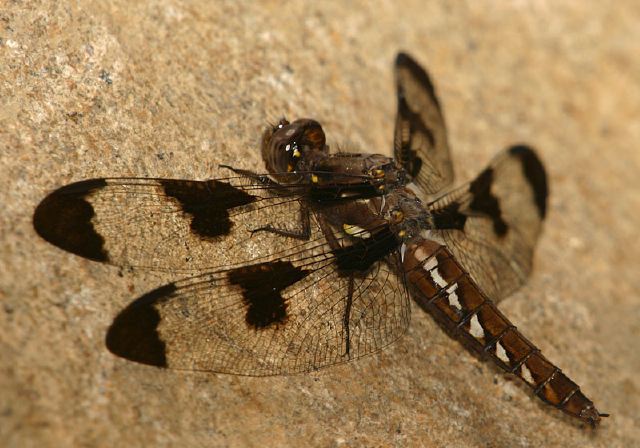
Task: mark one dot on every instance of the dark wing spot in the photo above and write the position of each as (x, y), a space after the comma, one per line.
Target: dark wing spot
(64, 219)
(449, 217)
(535, 174)
(483, 201)
(262, 285)
(208, 203)
(406, 61)
(134, 334)
(409, 158)
(363, 253)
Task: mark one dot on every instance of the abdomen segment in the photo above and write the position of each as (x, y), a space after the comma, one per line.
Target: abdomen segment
(443, 288)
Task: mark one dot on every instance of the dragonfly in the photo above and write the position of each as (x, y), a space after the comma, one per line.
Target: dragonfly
(314, 262)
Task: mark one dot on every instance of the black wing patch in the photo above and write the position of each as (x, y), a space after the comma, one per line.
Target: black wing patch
(262, 286)
(485, 202)
(139, 322)
(363, 253)
(64, 219)
(420, 141)
(196, 199)
(276, 317)
(492, 224)
(535, 174)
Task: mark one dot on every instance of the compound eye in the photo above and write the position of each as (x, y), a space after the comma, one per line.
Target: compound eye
(286, 145)
(293, 154)
(313, 136)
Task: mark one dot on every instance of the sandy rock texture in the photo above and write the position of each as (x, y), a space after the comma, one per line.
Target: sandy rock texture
(172, 88)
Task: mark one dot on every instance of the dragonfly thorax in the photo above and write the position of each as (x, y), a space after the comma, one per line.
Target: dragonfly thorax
(406, 214)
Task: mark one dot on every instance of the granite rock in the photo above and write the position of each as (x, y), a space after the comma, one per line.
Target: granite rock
(173, 89)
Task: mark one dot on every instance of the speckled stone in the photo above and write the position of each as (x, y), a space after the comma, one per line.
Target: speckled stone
(172, 89)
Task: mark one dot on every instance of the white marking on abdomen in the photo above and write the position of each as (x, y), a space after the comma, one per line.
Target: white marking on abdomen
(453, 297)
(501, 353)
(432, 266)
(526, 374)
(356, 231)
(475, 328)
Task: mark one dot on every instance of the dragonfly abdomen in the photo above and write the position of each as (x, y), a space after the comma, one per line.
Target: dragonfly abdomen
(447, 291)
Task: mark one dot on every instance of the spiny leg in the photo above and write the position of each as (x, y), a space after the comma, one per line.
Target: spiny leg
(260, 178)
(303, 233)
(347, 317)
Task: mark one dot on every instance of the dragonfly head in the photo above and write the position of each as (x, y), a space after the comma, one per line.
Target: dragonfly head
(292, 147)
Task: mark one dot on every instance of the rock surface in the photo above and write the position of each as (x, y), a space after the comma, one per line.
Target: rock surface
(172, 89)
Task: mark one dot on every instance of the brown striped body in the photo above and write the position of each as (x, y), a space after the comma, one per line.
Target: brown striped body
(444, 289)
(294, 270)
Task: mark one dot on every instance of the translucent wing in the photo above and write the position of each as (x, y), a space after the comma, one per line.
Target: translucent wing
(177, 225)
(420, 142)
(292, 314)
(491, 225)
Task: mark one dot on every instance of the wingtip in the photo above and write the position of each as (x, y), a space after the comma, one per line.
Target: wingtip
(535, 173)
(403, 56)
(134, 335)
(406, 61)
(63, 218)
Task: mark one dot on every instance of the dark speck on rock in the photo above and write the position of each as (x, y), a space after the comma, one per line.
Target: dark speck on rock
(75, 116)
(8, 308)
(106, 77)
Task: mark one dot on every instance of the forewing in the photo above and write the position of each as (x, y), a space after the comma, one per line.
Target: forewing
(420, 141)
(276, 317)
(491, 225)
(169, 224)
